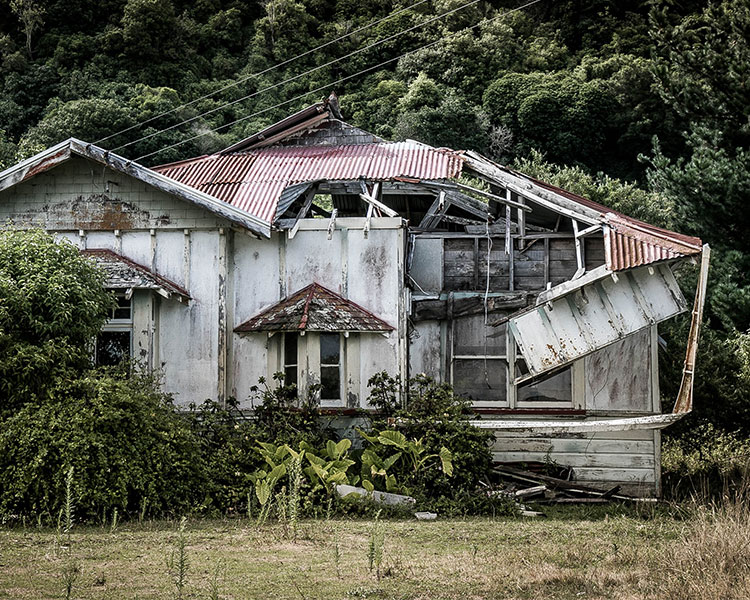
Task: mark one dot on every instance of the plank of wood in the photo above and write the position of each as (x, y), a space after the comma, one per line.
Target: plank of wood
(553, 482)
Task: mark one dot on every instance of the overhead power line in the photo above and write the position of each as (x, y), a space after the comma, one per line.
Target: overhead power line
(341, 80)
(300, 75)
(263, 72)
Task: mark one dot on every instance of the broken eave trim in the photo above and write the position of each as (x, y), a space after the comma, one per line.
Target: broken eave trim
(28, 168)
(530, 189)
(158, 282)
(570, 426)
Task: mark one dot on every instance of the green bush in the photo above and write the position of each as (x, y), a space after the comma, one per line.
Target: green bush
(704, 461)
(434, 414)
(129, 449)
(228, 442)
(52, 304)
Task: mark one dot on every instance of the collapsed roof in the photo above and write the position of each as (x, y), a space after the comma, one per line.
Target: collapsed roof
(273, 173)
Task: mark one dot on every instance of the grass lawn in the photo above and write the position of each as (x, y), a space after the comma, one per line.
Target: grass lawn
(615, 552)
(574, 553)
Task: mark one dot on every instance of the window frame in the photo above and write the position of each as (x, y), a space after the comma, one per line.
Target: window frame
(309, 364)
(510, 359)
(118, 325)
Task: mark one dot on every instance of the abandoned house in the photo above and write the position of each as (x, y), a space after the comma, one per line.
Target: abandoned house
(319, 250)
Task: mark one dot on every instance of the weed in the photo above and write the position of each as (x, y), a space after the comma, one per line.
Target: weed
(337, 560)
(113, 525)
(70, 575)
(142, 511)
(69, 506)
(375, 546)
(295, 482)
(177, 562)
(213, 585)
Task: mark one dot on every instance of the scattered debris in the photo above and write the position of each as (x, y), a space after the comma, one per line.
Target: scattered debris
(525, 485)
(425, 516)
(382, 497)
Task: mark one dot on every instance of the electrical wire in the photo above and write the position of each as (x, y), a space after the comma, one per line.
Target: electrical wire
(263, 72)
(338, 81)
(300, 75)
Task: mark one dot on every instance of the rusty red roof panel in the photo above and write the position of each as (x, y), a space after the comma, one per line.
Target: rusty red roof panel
(633, 243)
(315, 308)
(253, 181)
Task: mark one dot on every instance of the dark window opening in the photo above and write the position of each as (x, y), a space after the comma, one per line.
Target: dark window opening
(290, 359)
(330, 366)
(123, 311)
(555, 387)
(112, 348)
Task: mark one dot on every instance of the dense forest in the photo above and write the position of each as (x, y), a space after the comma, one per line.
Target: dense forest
(641, 105)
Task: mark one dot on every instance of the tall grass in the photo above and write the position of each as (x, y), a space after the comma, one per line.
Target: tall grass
(711, 561)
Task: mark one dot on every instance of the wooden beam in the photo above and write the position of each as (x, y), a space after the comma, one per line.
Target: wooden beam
(438, 207)
(365, 195)
(460, 186)
(332, 223)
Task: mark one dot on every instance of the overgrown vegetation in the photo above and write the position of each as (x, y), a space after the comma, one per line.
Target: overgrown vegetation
(134, 454)
(640, 106)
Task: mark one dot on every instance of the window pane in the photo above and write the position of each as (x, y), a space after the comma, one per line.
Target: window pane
(123, 310)
(290, 349)
(555, 388)
(290, 376)
(329, 349)
(330, 383)
(112, 347)
(470, 336)
(469, 379)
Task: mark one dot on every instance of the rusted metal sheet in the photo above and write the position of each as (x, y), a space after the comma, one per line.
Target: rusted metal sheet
(253, 181)
(315, 308)
(630, 243)
(564, 327)
(123, 273)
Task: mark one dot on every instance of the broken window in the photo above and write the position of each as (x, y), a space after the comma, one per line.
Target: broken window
(480, 364)
(114, 344)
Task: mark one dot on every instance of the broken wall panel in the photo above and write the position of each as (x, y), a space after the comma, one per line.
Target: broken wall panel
(601, 459)
(619, 378)
(595, 315)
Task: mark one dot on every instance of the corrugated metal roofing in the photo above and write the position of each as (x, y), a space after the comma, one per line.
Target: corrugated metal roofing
(632, 243)
(253, 181)
(315, 308)
(263, 181)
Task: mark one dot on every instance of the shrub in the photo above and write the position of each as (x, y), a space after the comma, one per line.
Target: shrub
(228, 441)
(128, 447)
(704, 461)
(284, 418)
(432, 413)
(52, 304)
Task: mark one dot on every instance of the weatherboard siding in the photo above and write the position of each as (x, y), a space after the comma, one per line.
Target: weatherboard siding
(80, 194)
(605, 459)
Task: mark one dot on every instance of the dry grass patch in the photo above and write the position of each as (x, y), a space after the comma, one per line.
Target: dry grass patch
(610, 556)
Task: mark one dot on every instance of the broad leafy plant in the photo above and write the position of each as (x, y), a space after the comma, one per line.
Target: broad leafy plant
(414, 453)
